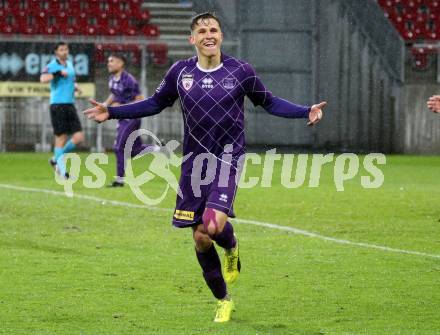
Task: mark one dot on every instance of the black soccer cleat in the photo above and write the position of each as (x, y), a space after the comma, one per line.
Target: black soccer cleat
(53, 164)
(116, 184)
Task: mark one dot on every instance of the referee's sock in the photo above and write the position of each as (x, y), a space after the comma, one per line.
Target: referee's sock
(59, 158)
(69, 146)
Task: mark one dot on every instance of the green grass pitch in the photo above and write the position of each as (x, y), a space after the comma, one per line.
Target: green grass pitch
(77, 266)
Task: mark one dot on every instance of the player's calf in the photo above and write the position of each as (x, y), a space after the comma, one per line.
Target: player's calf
(211, 268)
(202, 241)
(222, 232)
(78, 137)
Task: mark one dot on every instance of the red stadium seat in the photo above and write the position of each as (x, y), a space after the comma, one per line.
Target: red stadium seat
(70, 27)
(7, 28)
(15, 6)
(53, 7)
(92, 27)
(82, 24)
(420, 58)
(104, 7)
(114, 7)
(142, 15)
(74, 7)
(52, 26)
(111, 26)
(150, 30)
(29, 25)
(62, 23)
(8, 25)
(130, 31)
(93, 8)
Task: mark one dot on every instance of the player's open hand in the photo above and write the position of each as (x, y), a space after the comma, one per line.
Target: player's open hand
(434, 104)
(99, 112)
(315, 114)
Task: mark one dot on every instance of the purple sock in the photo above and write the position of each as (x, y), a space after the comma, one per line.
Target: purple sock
(226, 238)
(212, 272)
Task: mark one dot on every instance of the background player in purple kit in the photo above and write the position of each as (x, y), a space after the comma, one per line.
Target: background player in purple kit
(124, 89)
(211, 88)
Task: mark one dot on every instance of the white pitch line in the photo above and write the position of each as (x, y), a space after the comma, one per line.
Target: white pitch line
(244, 221)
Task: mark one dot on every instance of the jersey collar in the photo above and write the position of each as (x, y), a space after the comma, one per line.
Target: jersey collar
(59, 62)
(209, 70)
(123, 74)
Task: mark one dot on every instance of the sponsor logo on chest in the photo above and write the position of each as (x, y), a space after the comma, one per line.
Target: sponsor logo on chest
(207, 83)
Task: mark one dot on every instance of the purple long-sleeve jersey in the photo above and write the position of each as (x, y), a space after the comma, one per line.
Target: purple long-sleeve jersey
(124, 89)
(212, 104)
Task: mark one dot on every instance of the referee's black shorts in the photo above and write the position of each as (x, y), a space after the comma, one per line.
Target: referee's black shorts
(64, 119)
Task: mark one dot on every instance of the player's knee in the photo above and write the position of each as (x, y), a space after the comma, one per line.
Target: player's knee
(78, 137)
(60, 140)
(203, 242)
(212, 222)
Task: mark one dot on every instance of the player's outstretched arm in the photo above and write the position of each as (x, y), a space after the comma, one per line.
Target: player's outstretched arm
(98, 112)
(283, 108)
(434, 104)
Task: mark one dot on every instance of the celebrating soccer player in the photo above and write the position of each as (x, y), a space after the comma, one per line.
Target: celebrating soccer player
(211, 88)
(124, 89)
(61, 75)
(434, 104)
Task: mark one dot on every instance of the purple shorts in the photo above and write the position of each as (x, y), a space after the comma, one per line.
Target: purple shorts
(217, 195)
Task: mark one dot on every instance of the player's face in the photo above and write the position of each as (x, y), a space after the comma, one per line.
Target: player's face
(62, 52)
(114, 65)
(207, 37)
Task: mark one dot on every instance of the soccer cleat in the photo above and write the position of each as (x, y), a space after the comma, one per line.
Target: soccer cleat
(116, 184)
(224, 310)
(232, 264)
(52, 163)
(54, 166)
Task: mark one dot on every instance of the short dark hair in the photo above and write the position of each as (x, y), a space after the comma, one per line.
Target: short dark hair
(61, 43)
(204, 16)
(119, 56)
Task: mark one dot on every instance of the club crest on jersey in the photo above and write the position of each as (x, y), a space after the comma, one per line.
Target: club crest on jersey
(229, 83)
(187, 81)
(207, 83)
